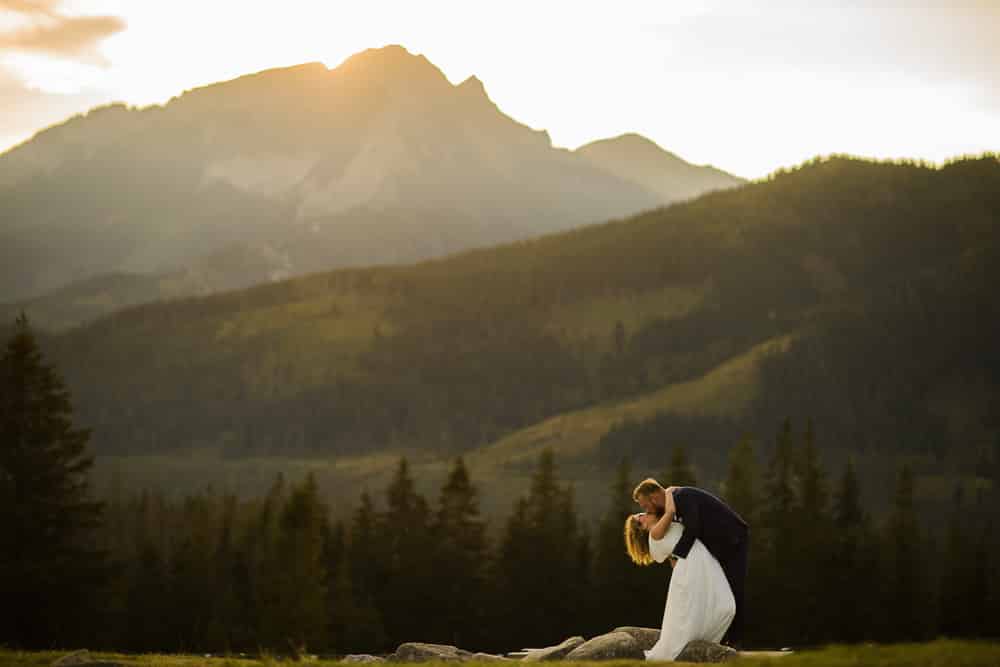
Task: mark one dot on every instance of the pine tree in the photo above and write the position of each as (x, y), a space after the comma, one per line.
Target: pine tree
(302, 595)
(538, 552)
(777, 537)
(958, 581)
(223, 634)
(515, 617)
(740, 491)
(51, 572)
(367, 560)
(740, 488)
(905, 590)
(264, 568)
(410, 554)
(813, 553)
(813, 486)
(191, 574)
(460, 568)
(855, 568)
(365, 554)
(352, 626)
(681, 471)
(147, 590)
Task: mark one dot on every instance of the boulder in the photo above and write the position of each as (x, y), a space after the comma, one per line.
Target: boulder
(71, 659)
(82, 658)
(487, 657)
(612, 646)
(420, 652)
(361, 657)
(554, 652)
(645, 636)
(702, 651)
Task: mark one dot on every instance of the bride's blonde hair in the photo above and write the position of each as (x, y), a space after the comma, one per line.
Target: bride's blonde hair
(637, 542)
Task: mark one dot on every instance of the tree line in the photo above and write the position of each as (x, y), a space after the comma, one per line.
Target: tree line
(215, 573)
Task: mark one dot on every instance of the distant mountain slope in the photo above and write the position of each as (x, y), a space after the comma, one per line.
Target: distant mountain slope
(879, 275)
(380, 160)
(231, 267)
(639, 160)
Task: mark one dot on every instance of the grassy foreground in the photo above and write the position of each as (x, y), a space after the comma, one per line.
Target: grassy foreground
(940, 653)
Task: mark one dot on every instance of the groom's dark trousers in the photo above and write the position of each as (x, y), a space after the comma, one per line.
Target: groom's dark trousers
(725, 534)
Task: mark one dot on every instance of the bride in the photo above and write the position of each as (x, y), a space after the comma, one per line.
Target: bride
(700, 603)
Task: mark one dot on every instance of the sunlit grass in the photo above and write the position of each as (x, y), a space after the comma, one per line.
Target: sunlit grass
(724, 391)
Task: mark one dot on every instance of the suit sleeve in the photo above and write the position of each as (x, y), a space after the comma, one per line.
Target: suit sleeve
(687, 507)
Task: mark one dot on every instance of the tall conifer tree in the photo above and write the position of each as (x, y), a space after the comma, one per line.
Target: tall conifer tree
(409, 556)
(741, 486)
(681, 471)
(904, 586)
(460, 567)
(51, 571)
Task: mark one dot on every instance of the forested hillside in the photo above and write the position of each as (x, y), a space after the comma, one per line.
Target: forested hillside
(876, 277)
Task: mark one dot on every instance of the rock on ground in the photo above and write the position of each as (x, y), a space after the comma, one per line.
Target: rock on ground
(361, 657)
(646, 637)
(612, 646)
(74, 658)
(702, 651)
(557, 652)
(420, 652)
(82, 658)
(488, 657)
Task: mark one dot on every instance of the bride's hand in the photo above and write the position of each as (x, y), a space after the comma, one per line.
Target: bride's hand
(668, 501)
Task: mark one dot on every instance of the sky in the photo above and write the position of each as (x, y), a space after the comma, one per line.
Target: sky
(746, 86)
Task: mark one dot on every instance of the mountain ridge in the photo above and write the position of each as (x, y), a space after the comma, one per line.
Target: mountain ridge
(851, 293)
(380, 159)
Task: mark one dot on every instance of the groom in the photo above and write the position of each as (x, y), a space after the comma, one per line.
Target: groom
(723, 532)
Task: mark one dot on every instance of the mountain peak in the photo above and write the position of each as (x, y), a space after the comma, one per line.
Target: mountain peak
(642, 161)
(391, 63)
(473, 85)
(629, 143)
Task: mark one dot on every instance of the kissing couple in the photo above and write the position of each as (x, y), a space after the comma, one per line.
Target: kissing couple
(706, 543)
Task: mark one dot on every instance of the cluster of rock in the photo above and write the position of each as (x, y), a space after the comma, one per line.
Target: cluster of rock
(625, 643)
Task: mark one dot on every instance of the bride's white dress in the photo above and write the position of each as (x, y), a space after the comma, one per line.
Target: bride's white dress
(700, 603)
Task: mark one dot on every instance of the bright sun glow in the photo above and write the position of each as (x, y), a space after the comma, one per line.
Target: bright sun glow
(744, 87)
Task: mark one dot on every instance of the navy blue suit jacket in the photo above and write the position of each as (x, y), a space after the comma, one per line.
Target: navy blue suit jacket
(708, 519)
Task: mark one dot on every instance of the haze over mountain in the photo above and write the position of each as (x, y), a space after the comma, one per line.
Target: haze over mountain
(300, 169)
(641, 161)
(855, 294)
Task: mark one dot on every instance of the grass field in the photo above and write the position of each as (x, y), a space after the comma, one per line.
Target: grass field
(940, 653)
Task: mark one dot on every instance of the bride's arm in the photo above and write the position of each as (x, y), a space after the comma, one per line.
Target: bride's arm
(659, 529)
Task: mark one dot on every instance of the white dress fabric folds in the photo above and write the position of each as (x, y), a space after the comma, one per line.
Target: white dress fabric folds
(700, 603)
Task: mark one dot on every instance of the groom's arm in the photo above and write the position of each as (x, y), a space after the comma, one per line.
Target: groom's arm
(687, 507)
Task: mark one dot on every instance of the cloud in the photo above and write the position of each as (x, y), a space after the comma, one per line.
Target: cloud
(26, 109)
(50, 32)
